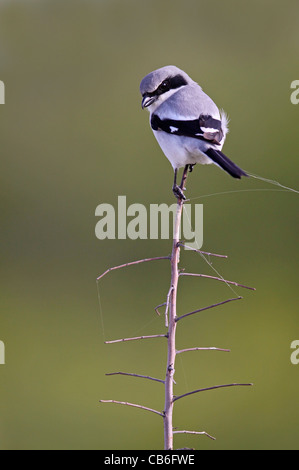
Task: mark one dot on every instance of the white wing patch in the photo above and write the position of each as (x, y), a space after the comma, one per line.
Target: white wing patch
(210, 130)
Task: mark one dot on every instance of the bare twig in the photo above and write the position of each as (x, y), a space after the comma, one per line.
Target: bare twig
(158, 306)
(137, 375)
(217, 279)
(207, 308)
(202, 252)
(195, 432)
(135, 338)
(134, 405)
(167, 306)
(202, 349)
(131, 264)
(210, 388)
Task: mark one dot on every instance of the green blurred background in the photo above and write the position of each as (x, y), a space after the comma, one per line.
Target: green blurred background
(73, 136)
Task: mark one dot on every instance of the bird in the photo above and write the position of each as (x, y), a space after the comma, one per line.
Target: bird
(186, 122)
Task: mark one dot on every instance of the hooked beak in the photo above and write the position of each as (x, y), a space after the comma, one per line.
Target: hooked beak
(147, 101)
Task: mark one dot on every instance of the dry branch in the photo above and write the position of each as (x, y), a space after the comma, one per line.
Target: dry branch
(166, 304)
(207, 308)
(210, 388)
(195, 432)
(131, 264)
(135, 338)
(136, 375)
(158, 306)
(217, 279)
(202, 252)
(134, 405)
(202, 349)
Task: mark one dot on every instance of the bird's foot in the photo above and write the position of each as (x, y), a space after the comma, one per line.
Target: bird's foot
(178, 192)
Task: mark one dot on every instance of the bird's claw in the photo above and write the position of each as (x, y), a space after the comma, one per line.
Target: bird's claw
(178, 192)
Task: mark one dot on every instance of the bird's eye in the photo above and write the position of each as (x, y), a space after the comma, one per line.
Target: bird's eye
(164, 86)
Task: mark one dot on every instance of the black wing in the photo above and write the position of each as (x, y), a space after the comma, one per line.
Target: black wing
(204, 128)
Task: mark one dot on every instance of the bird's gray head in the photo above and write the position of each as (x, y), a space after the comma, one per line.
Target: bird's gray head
(161, 83)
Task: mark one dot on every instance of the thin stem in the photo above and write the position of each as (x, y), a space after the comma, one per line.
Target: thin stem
(195, 432)
(167, 306)
(135, 338)
(134, 405)
(158, 306)
(207, 308)
(216, 279)
(202, 252)
(136, 375)
(210, 388)
(131, 264)
(202, 349)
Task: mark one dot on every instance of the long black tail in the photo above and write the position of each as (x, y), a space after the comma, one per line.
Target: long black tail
(225, 163)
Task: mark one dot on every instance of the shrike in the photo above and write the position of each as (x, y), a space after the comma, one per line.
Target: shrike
(187, 124)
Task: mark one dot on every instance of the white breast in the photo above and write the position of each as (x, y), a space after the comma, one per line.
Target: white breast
(182, 151)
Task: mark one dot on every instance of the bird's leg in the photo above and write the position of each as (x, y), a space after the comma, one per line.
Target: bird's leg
(184, 177)
(191, 166)
(178, 190)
